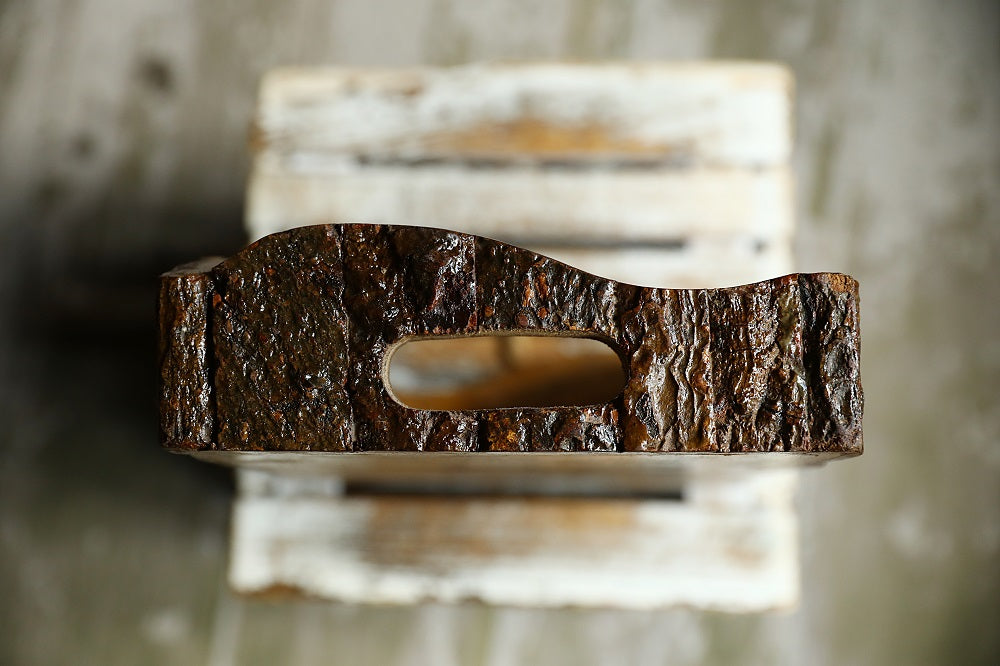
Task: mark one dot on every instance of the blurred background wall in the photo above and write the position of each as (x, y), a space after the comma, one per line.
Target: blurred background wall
(123, 127)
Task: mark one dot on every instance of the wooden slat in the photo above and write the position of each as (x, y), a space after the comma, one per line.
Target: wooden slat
(711, 551)
(529, 153)
(718, 114)
(527, 205)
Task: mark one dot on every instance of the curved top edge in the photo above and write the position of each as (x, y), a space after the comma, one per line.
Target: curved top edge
(838, 282)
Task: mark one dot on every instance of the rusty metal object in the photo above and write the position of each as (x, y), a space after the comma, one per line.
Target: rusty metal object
(284, 347)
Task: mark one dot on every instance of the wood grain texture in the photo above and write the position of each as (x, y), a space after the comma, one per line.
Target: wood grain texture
(303, 323)
(529, 205)
(533, 551)
(730, 114)
(527, 153)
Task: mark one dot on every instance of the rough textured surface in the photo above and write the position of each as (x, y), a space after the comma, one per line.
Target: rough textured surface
(403, 282)
(303, 321)
(279, 344)
(522, 290)
(668, 400)
(187, 415)
(552, 429)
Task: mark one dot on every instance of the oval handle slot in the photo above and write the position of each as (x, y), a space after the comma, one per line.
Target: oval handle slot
(502, 371)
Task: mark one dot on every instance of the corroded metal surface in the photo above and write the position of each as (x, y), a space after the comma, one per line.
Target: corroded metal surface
(284, 347)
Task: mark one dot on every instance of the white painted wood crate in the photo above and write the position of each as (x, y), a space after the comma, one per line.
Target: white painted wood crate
(655, 174)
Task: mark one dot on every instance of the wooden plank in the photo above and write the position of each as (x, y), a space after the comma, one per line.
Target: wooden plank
(698, 113)
(528, 551)
(526, 205)
(528, 153)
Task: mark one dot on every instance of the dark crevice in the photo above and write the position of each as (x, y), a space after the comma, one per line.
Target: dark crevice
(542, 488)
